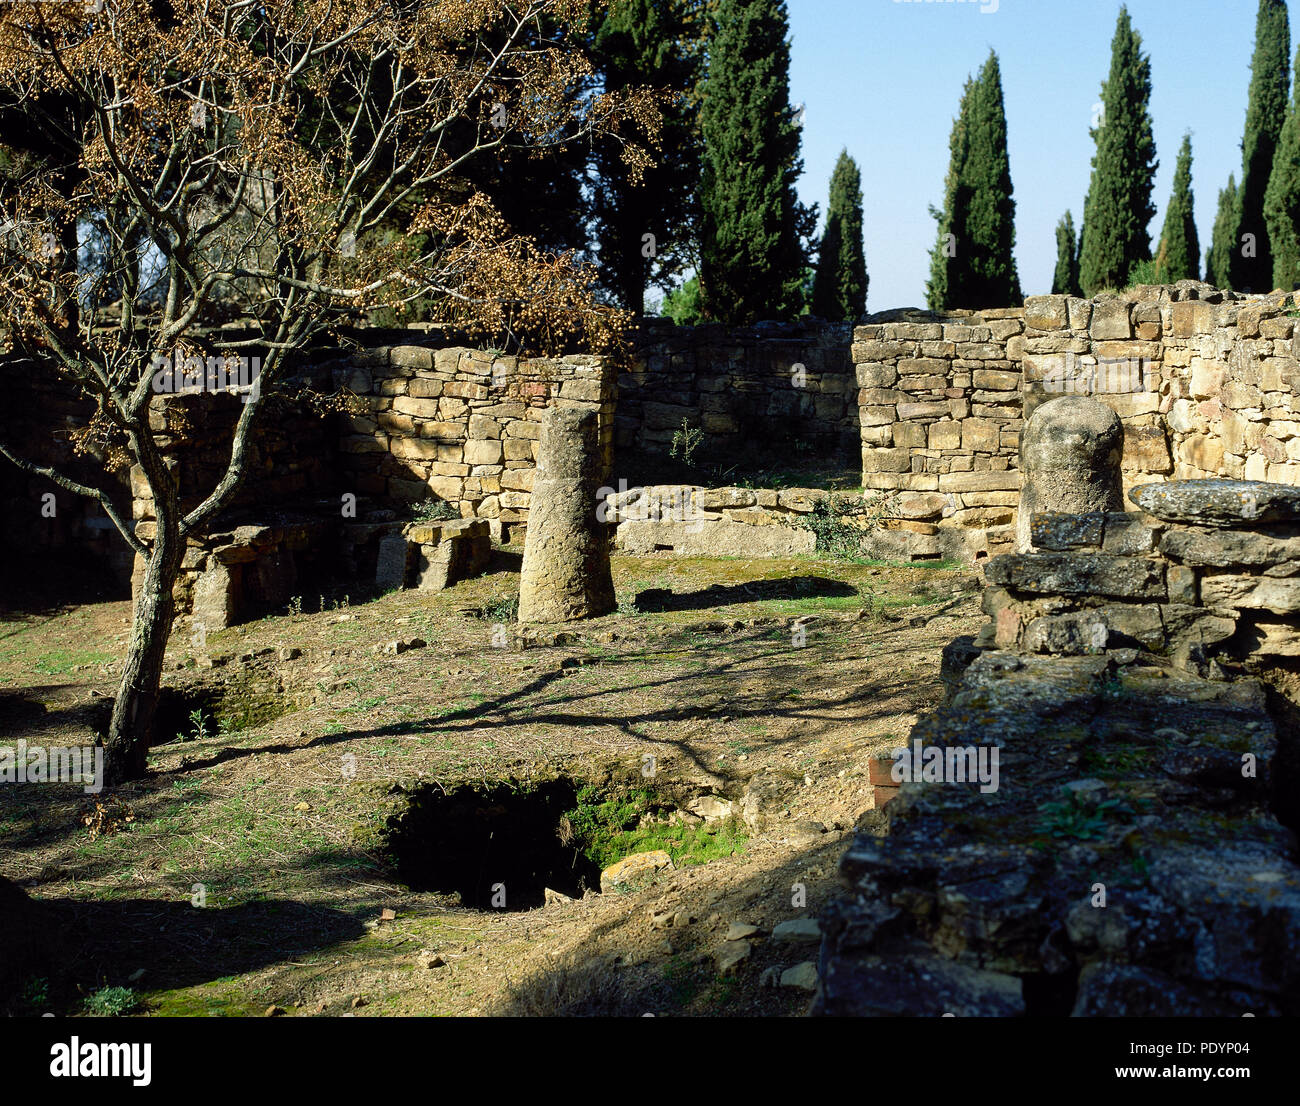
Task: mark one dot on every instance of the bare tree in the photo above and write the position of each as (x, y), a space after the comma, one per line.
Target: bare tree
(260, 152)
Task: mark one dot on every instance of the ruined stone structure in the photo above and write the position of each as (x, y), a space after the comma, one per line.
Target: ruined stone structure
(1134, 854)
(565, 573)
(694, 521)
(460, 425)
(1204, 383)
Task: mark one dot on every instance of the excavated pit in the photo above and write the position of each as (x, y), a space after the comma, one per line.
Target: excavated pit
(497, 848)
(502, 845)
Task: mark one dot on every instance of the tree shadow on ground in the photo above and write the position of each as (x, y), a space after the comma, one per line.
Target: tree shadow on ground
(93, 944)
(42, 588)
(536, 703)
(612, 973)
(659, 600)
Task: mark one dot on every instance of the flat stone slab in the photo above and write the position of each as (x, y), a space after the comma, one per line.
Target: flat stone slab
(1219, 503)
(1228, 548)
(1079, 574)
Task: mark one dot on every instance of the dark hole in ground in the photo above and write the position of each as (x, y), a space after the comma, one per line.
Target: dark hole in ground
(476, 842)
(188, 713)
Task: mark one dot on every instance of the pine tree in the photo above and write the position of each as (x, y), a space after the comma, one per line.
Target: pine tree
(1118, 207)
(973, 262)
(840, 287)
(1179, 246)
(1065, 281)
(1265, 113)
(753, 249)
(1282, 201)
(1218, 262)
(649, 42)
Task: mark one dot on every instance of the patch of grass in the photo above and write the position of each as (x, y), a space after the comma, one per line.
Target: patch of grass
(608, 829)
(1065, 818)
(501, 608)
(60, 662)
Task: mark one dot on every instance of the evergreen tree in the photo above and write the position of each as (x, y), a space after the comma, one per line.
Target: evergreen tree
(1180, 250)
(840, 287)
(654, 42)
(1282, 202)
(1118, 207)
(754, 231)
(1265, 112)
(973, 262)
(1065, 281)
(1218, 262)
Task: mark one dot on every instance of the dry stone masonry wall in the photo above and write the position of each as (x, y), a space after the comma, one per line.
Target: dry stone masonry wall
(771, 383)
(940, 412)
(460, 425)
(1203, 381)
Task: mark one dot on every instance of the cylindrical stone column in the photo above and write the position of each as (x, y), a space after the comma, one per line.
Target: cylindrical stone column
(1070, 456)
(565, 574)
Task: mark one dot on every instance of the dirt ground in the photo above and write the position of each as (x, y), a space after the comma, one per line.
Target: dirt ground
(249, 873)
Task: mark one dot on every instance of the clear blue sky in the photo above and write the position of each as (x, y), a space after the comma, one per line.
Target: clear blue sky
(883, 79)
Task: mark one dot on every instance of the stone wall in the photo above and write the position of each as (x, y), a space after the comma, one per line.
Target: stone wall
(940, 412)
(771, 383)
(696, 521)
(39, 413)
(458, 424)
(1204, 382)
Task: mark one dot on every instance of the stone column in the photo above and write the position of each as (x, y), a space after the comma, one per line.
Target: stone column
(1070, 455)
(565, 574)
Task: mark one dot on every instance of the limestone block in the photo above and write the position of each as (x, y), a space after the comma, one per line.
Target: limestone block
(1070, 455)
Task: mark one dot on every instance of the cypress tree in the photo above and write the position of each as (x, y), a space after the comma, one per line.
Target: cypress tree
(1065, 281)
(1265, 112)
(638, 42)
(840, 286)
(753, 254)
(1118, 207)
(973, 263)
(1282, 202)
(1218, 262)
(1179, 246)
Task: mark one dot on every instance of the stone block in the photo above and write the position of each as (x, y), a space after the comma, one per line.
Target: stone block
(393, 563)
(1079, 574)
(1047, 312)
(1111, 320)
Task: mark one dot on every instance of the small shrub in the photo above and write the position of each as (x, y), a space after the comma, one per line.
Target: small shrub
(104, 817)
(111, 1002)
(35, 994)
(198, 725)
(831, 521)
(686, 440)
(434, 510)
(501, 608)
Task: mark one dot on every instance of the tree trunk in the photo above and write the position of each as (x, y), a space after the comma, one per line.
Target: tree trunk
(131, 727)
